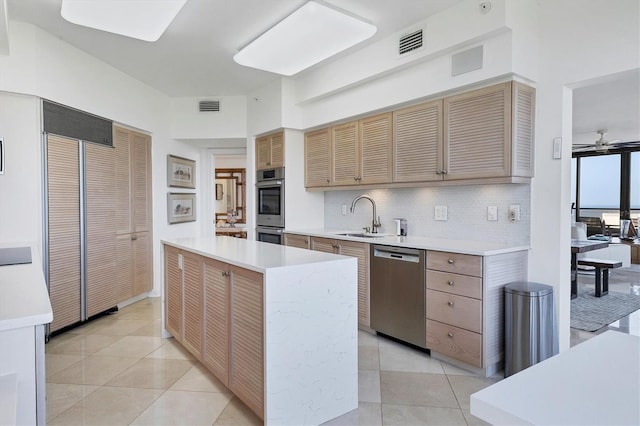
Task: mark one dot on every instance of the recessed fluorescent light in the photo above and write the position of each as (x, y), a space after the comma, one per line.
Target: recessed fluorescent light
(142, 19)
(309, 35)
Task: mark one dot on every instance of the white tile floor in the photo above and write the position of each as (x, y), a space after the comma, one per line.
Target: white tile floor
(118, 371)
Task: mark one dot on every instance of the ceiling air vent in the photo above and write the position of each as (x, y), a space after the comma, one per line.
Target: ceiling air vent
(410, 42)
(209, 106)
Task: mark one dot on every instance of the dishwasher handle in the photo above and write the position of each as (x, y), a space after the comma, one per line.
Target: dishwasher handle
(397, 253)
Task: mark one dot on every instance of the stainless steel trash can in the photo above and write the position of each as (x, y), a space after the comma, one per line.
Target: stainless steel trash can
(529, 325)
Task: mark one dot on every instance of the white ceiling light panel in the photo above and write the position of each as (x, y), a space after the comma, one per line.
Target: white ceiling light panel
(309, 35)
(142, 19)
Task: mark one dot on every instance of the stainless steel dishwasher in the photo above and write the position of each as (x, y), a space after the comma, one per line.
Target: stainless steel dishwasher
(398, 293)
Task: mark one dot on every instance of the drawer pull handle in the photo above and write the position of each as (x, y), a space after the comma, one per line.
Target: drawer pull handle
(450, 334)
(450, 261)
(450, 303)
(450, 282)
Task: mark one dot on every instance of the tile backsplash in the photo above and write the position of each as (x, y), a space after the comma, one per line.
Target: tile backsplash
(466, 211)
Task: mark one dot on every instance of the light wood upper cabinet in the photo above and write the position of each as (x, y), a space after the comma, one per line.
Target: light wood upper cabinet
(270, 151)
(376, 150)
(488, 132)
(345, 154)
(417, 143)
(477, 128)
(317, 158)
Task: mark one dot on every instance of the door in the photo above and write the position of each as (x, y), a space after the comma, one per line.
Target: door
(345, 154)
(317, 158)
(361, 252)
(173, 291)
(192, 300)
(216, 323)
(376, 149)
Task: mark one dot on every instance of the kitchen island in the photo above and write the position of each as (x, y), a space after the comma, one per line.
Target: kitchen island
(24, 309)
(276, 324)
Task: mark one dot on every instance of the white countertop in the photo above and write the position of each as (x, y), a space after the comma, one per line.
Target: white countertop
(250, 254)
(594, 383)
(479, 248)
(24, 298)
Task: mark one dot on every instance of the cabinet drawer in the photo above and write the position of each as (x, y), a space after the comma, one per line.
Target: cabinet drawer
(463, 312)
(463, 285)
(453, 262)
(455, 342)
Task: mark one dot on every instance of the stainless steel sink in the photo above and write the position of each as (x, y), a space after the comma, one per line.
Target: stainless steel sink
(361, 235)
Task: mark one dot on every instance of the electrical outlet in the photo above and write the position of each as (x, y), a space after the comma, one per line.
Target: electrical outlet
(344, 210)
(514, 212)
(492, 213)
(441, 213)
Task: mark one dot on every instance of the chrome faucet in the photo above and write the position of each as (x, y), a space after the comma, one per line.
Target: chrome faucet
(375, 223)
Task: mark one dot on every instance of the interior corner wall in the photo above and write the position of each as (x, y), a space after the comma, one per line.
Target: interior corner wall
(570, 52)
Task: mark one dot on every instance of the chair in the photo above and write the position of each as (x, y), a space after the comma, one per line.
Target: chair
(594, 225)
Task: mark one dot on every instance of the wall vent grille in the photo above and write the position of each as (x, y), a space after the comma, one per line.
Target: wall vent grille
(410, 42)
(209, 106)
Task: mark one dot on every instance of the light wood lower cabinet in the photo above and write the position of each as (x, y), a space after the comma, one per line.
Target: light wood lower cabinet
(216, 311)
(359, 251)
(294, 240)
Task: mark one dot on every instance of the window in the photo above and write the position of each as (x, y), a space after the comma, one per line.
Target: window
(600, 182)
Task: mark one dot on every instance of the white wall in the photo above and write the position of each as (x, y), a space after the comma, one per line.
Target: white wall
(45, 66)
(20, 185)
(187, 122)
(572, 50)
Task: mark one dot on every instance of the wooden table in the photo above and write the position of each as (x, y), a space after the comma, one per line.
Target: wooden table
(593, 383)
(581, 246)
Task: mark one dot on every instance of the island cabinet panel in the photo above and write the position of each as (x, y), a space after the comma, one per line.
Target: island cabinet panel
(246, 375)
(173, 291)
(376, 149)
(317, 158)
(417, 143)
(294, 240)
(192, 300)
(345, 154)
(359, 251)
(215, 354)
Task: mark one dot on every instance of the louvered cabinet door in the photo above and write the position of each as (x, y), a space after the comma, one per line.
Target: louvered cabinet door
(376, 148)
(141, 187)
(142, 263)
(477, 133)
(361, 252)
(418, 143)
(124, 193)
(193, 307)
(345, 154)
(523, 126)
(246, 374)
(173, 292)
(294, 240)
(216, 319)
(63, 193)
(277, 150)
(124, 267)
(100, 217)
(325, 245)
(317, 158)
(263, 153)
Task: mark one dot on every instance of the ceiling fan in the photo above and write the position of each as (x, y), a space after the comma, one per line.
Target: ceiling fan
(602, 145)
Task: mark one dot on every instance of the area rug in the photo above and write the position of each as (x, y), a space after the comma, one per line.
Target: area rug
(591, 313)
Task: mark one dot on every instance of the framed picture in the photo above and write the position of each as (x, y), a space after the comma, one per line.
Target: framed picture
(181, 172)
(181, 207)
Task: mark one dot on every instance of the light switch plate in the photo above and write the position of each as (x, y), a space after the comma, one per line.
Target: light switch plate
(441, 213)
(492, 213)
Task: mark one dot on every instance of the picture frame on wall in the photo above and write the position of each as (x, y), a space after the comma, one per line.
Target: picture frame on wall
(181, 207)
(181, 172)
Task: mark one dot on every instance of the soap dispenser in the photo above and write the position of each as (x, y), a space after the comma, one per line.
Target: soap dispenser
(401, 227)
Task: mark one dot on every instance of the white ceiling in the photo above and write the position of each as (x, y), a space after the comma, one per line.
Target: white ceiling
(194, 56)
